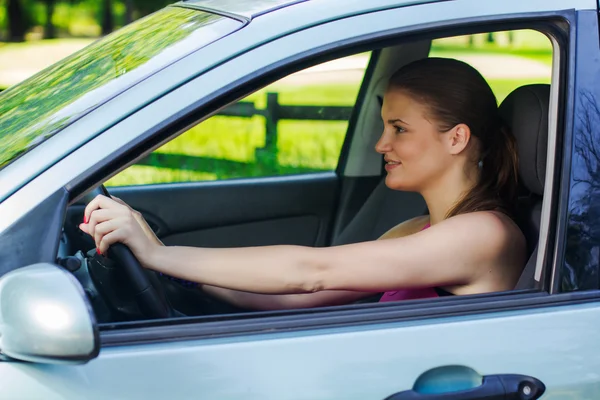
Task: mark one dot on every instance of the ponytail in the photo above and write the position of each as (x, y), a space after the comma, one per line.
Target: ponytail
(498, 179)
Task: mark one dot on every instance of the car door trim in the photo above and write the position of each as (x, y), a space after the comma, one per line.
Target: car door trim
(261, 323)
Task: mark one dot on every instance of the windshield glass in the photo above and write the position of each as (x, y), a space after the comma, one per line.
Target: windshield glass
(39, 107)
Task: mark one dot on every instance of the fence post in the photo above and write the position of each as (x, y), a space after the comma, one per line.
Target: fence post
(271, 114)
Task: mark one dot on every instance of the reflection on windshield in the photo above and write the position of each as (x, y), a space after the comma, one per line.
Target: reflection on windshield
(47, 102)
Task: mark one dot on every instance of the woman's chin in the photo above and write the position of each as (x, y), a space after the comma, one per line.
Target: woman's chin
(395, 183)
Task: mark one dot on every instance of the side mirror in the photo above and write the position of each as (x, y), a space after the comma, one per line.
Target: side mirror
(45, 317)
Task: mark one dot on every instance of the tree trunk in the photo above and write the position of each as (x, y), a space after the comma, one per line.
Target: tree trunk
(128, 11)
(16, 21)
(49, 30)
(108, 23)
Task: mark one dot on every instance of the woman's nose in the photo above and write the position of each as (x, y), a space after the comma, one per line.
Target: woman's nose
(383, 144)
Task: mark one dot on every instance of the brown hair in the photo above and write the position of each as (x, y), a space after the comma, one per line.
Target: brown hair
(456, 93)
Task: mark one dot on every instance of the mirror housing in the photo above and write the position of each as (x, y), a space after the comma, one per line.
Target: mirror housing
(45, 317)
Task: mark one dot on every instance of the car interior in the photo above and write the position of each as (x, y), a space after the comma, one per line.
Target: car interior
(349, 205)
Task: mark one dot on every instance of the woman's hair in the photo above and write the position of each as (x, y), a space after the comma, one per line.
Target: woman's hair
(456, 93)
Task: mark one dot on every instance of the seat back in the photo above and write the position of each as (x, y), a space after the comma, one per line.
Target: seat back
(525, 111)
(384, 209)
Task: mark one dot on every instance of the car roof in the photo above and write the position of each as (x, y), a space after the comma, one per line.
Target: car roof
(253, 8)
(243, 8)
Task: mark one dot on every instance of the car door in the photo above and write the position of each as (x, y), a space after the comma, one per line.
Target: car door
(375, 351)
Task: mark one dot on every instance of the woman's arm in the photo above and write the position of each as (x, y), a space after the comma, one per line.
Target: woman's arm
(257, 301)
(457, 251)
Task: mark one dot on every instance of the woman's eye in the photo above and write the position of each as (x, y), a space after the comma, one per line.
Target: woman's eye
(399, 129)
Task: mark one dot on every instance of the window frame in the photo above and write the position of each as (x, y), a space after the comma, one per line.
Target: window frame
(350, 315)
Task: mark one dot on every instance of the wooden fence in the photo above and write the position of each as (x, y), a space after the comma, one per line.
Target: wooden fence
(267, 155)
(275, 112)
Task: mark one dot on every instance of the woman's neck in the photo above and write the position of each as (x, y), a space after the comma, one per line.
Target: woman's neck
(445, 194)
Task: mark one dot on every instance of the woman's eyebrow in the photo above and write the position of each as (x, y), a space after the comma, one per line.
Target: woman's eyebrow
(392, 121)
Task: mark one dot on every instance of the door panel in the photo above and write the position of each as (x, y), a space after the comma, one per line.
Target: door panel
(285, 210)
(372, 362)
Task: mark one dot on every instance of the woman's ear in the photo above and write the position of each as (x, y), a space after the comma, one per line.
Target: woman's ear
(459, 138)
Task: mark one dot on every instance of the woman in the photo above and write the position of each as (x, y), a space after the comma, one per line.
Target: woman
(442, 138)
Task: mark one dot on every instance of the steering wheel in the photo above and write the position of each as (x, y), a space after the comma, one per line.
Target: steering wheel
(144, 284)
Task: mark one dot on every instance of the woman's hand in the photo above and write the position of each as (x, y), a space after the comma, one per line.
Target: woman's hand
(140, 219)
(108, 221)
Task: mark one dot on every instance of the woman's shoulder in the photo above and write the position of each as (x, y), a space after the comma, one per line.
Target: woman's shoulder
(495, 241)
(498, 231)
(407, 227)
(491, 221)
(496, 228)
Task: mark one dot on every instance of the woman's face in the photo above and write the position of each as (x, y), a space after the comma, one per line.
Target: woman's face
(416, 153)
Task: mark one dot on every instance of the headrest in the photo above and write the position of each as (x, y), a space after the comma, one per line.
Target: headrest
(525, 111)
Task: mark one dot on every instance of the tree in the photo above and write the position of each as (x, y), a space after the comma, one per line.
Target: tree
(145, 7)
(129, 8)
(49, 29)
(17, 23)
(108, 22)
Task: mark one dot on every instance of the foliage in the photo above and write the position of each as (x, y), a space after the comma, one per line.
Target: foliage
(35, 110)
(77, 16)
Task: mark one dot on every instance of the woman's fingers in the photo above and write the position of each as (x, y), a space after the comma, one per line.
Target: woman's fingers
(100, 202)
(105, 212)
(105, 228)
(124, 230)
(125, 224)
(110, 238)
(98, 216)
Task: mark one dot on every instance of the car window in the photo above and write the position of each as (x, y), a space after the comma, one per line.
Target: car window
(295, 125)
(507, 59)
(39, 107)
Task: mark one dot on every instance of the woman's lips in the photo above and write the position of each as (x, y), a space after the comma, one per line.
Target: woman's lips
(390, 165)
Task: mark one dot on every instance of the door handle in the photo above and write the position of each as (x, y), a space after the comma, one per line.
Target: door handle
(493, 387)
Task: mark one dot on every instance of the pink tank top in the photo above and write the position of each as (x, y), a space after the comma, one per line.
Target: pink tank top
(409, 294)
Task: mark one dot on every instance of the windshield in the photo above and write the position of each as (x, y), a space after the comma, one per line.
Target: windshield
(39, 107)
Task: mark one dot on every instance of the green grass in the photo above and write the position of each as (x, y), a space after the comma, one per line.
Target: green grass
(544, 57)
(141, 175)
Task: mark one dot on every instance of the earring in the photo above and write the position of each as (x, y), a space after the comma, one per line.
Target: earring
(480, 164)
